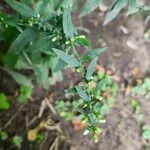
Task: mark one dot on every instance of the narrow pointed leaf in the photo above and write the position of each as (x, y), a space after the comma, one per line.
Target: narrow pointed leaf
(67, 23)
(132, 7)
(4, 102)
(22, 40)
(89, 6)
(67, 58)
(82, 41)
(82, 94)
(93, 53)
(21, 8)
(21, 79)
(42, 74)
(91, 68)
(100, 85)
(41, 44)
(60, 65)
(114, 10)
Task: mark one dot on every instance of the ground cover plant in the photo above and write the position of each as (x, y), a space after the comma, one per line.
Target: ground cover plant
(39, 40)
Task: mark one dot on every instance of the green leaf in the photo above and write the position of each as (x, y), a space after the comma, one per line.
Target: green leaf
(60, 65)
(66, 3)
(17, 140)
(10, 56)
(146, 132)
(134, 105)
(66, 58)
(97, 107)
(24, 93)
(41, 5)
(100, 85)
(4, 102)
(21, 8)
(38, 45)
(114, 10)
(105, 109)
(4, 135)
(71, 91)
(91, 68)
(22, 63)
(21, 79)
(82, 41)
(93, 53)
(132, 7)
(56, 77)
(86, 132)
(145, 8)
(89, 6)
(42, 74)
(67, 23)
(48, 8)
(82, 94)
(22, 40)
(91, 118)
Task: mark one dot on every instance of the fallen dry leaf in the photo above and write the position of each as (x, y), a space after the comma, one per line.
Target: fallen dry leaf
(136, 72)
(109, 72)
(105, 94)
(77, 124)
(116, 78)
(99, 68)
(124, 29)
(32, 134)
(128, 90)
(117, 54)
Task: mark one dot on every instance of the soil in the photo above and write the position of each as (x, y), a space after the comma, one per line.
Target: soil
(126, 49)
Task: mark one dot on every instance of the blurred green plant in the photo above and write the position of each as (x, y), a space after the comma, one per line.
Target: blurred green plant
(146, 132)
(24, 93)
(4, 102)
(133, 7)
(40, 138)
(17, 141)
(3, 135)
(68, 109)
(136, 109)
(142, 88)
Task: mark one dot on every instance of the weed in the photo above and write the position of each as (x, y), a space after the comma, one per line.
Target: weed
(142, 88)
(93, 105)
(136, 109)
(24, 93)
(4, 102)
(38, 43)
(17, 140)
(146, 132)
(3, 135)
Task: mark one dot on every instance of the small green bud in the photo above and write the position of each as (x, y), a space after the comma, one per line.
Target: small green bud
(78, 70)
(72, 39)
(82, 36)
(6, 25)
(38, 15)
(54, 39)
(30, 24)
(2, 18)
(67, 42)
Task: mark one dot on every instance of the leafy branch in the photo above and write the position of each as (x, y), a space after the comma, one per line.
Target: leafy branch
(37, 43)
